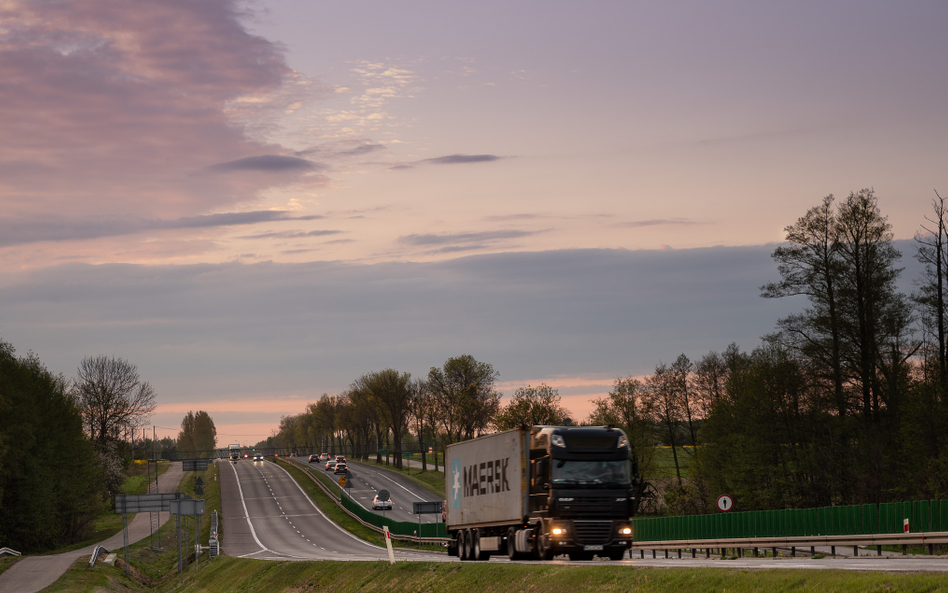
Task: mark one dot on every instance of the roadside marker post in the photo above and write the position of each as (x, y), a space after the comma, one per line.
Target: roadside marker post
(388, 544)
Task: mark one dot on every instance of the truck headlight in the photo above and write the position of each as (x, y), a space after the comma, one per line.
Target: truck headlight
(558, 531)
(626, 531)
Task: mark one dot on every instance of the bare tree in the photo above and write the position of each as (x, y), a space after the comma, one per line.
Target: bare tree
(112, 397)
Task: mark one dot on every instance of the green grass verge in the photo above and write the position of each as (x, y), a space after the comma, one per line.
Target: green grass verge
(339, 516)
(238, 575)
(7, 561)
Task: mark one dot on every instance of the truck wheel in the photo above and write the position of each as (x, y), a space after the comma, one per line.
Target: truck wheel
(476, 552)
(544, 551)
(463, 545)
(617, 555)
(512, 544)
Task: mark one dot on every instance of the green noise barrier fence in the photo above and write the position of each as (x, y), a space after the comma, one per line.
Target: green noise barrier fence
(924, 516)
(397, 527)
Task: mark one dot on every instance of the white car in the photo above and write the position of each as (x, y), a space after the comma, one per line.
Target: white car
(381, 504)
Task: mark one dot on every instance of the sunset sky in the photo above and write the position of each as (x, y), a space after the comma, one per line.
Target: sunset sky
(256, 202)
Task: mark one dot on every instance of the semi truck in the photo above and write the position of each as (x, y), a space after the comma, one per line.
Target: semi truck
(234, 452)
(540, 492)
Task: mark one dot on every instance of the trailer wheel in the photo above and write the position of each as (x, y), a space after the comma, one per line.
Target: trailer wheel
(476, 552)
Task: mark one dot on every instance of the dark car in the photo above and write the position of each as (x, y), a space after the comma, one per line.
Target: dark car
(330, 465)
(340, 468)
(313, 458)
(340, 458)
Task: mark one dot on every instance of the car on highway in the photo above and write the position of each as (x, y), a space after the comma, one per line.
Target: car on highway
(330, 465)
(313, 458)
(340, 468)
(340, 458)
(324, 456)
(381, 504)
(258, 457)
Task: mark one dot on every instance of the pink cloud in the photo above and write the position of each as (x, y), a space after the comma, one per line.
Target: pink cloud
(112, 108)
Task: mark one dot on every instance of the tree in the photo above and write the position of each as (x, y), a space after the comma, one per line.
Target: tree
(532, 406)
(112, 397)
(666, 393)
(51, 483)
(629, 407)
(390, 392)
(198, 436)
(811, 265)
(467, 400)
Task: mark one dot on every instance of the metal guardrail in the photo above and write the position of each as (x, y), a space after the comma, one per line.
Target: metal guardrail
(8, 552)
(98, 551)
(377, 529)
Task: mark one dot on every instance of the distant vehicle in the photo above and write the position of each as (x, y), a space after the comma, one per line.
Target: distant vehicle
(330, 465)
(340, 458)
(234, 452)
(258, 457)
(313, 458)
(324, 456)
(541, 492)
(246, 455)
(340, 468)
(379, 504)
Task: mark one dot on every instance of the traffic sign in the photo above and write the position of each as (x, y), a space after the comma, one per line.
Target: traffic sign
(342, 480)
(384, 495)
(725, 503)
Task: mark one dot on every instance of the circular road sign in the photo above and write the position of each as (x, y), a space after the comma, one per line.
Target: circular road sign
(384, 495)
(725, 503)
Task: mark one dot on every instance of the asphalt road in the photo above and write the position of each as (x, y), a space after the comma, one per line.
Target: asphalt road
(268, 516)
(281, 523)
(367, 480)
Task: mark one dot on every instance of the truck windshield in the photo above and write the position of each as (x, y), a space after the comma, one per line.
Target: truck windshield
(590, 472)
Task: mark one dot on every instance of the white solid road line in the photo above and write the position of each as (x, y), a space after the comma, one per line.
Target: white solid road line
(253, 532)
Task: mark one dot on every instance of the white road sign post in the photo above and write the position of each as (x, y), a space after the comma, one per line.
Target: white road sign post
(388, 544)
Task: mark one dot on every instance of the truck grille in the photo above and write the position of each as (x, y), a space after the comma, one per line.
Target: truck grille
(592, 532)
(593, 506)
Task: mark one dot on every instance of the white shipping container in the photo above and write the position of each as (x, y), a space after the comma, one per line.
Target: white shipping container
(487, 480)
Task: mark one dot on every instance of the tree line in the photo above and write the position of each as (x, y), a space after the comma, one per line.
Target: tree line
(456, 401)
(845, 402)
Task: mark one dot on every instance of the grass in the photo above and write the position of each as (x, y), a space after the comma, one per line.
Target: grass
(226, 575)
(339, 516)
(7, 561)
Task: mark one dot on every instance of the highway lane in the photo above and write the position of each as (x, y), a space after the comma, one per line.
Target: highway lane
(285, 525)
(268, 516)
(367, 480)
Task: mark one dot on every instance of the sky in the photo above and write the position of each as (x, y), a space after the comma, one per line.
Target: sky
(256, 202)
